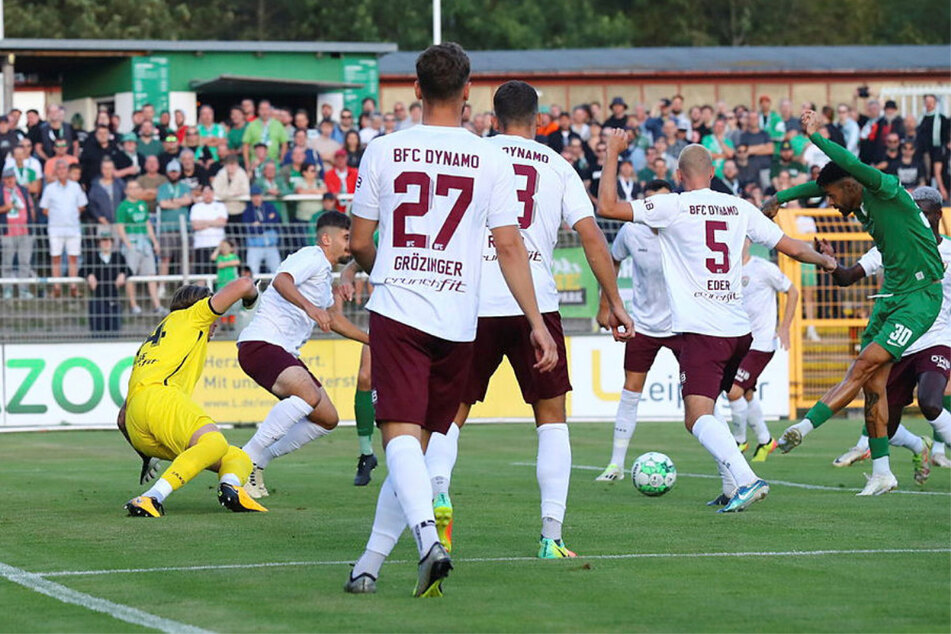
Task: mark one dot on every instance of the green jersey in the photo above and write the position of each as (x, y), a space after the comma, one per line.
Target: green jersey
(169, 218)
(134, 215)
(888, 213)
(227, 274)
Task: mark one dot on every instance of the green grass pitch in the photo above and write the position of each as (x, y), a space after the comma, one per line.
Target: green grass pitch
(61, 510)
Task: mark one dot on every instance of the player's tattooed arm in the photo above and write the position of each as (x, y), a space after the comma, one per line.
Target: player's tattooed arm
(842, 276)
(608, 204)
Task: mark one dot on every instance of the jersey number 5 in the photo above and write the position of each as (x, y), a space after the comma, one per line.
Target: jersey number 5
(717, 264)
(421, 206)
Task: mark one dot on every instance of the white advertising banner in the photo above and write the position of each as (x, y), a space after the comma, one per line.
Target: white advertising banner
(65, 384)
(84, 384)
(597, 375)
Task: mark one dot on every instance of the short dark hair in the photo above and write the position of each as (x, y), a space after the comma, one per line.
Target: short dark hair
(187, 296)
(515, 102)
(658, 184)
(831, 173)
(442, 71)
(332, 219)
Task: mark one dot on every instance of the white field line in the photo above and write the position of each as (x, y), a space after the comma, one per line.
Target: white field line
(797, 485)
(289, 564)
(38, 583)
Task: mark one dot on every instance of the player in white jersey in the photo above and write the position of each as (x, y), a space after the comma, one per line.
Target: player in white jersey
(925, 363)
(701, 236)
(653, 325)
(762, 280)
(432, 189)
(269, 347)
(550, 193)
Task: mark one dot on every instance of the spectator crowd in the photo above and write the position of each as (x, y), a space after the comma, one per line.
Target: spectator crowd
(249, 184)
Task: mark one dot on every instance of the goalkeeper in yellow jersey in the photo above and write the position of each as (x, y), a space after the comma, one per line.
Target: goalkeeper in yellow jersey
(161, 421)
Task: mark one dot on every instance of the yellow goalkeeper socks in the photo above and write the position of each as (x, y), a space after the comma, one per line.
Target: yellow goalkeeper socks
(210, 448)
(237, 464)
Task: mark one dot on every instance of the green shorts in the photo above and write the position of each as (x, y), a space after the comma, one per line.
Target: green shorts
(898, 321)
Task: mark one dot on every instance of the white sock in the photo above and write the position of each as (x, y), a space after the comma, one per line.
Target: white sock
(230, 478)
(410, 480)
(906, 439)
(296, 437)
(388, 525)
(881, 466)
(938, 448)
(441, 458)
(804, 426)
(624, 424)
(553, 470)
(717, 440)
(739, 409)
(942, 425)
(726, 479)
(284, 415)
(862, 443)
(757, 421)
(160, 490)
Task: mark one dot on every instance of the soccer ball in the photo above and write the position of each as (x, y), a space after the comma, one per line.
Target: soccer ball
(653, 474)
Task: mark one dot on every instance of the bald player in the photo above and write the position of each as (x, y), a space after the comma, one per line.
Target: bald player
(701, 235)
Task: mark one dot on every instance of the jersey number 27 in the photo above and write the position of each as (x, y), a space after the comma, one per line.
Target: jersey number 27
(420, 207)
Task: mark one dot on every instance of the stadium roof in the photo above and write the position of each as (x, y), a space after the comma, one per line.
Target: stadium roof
(125, 47)
(679, 60)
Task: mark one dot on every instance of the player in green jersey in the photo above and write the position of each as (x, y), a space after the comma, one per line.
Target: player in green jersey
(906, 306)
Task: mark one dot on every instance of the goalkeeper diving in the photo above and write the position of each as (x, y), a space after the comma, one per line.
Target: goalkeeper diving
(162, 422)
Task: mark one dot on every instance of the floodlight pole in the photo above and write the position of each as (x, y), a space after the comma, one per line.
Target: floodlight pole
(437, 21)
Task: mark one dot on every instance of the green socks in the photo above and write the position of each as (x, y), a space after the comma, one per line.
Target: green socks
(365, 414)
(947, 402)
(878, 447)
(819, 414)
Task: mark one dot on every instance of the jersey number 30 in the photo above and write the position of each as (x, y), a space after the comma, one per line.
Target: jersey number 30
(421, 206)
(719, 264)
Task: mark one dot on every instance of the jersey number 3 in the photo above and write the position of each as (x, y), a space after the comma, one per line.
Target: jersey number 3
(421, 206)
(526, 195)
(719, 264)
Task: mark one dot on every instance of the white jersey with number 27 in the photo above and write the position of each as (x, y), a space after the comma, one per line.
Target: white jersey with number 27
(433, 190)
(549, 193)
(701, 240)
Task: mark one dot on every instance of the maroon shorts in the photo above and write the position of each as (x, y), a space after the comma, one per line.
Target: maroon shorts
(751, 367)
(264, 362)
(904, 374)
(708, 364)
(416, 377)
(511, 337)
(640, 352)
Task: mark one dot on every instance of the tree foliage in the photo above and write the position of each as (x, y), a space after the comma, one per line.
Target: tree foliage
(495, 24)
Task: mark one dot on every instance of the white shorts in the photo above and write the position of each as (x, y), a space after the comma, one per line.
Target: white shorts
(70, 243)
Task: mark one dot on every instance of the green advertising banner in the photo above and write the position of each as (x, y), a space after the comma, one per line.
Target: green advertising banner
(150, 82)
(360, 71)
(577, 287)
